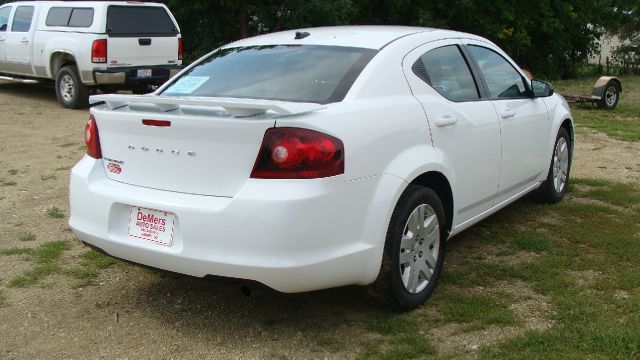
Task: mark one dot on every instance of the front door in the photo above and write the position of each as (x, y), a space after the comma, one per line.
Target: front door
(18, 43)
(524, 121)
(5, 11)
(464, 126)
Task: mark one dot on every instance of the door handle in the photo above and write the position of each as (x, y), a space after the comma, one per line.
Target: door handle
(1, 39)
(446, 120)
(507, 113)
(24, 41)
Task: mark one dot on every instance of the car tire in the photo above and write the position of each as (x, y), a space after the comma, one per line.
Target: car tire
(610, 96)
(552, 190)
(414, 250)
(71, 92)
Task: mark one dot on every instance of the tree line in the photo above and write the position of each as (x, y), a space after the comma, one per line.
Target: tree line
(549, 37)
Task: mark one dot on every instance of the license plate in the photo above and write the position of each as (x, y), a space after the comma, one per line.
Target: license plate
(151, 225)
(144, 73)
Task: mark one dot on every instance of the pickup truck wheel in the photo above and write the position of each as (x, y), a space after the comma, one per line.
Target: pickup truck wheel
(414, 248)
(71, 92)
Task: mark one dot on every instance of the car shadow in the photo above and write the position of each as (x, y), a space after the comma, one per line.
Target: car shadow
(228, 307)
(41, 91)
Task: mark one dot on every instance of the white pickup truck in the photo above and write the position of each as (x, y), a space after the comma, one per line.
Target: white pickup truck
(84, 46)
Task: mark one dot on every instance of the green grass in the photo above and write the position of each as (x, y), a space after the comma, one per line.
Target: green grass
(476, 310)
(27, 237)
(4, 182)
(578, 256)
(48, 177)
(96, 260)
(403, 339)
(63, 168)
(45, 259)
(55, 212)
(12, 171)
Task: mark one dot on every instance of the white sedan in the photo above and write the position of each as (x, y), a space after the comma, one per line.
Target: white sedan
(319, 158)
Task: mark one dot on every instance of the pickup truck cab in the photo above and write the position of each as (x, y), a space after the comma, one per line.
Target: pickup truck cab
(84, 46)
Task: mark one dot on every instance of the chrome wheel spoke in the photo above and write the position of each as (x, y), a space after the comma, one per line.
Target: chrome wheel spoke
(406, 258)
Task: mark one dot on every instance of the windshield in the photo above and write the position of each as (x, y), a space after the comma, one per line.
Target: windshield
(303, 73)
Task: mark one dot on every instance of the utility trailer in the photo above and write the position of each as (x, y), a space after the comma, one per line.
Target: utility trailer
(605, 93)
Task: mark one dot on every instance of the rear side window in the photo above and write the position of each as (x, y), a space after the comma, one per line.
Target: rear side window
(72, 17)
(4, 17)
(502, 79)
(22, 19)
(446, 70)
(304, 73)
(139, 21)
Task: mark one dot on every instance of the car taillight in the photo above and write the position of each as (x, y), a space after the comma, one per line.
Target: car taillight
(99, 51)
(179, 48)
(92, 139)
(294, 153)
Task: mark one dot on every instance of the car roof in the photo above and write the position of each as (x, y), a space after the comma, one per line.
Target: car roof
(362, 36)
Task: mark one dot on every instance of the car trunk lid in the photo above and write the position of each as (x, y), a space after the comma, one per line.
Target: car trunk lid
(190, 145)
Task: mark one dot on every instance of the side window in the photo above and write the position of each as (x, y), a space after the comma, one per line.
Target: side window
(502, 79)
(58, 16)
(4, 17)
(446, 70)
(72, 17)
(81, 18)
(22, 19)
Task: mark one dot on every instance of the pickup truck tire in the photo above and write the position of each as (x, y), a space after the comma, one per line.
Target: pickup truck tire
(71, 92)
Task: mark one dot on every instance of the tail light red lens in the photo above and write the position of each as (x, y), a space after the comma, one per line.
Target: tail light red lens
(99, 51)
(179, 48)
(92, 139)
(294, 153)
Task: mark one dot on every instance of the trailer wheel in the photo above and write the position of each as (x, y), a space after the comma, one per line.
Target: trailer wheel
(610, 96)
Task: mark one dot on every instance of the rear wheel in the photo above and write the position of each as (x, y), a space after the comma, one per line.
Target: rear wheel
(415, 247)
(71, 92)
(555, 186)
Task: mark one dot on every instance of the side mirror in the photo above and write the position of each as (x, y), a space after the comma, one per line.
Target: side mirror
(541, 88)
(3, 27)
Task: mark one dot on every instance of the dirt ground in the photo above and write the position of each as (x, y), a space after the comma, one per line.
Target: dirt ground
(135, 313)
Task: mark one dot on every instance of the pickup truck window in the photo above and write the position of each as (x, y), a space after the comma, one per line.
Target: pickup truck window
(72, 17)
(22, 19)
(139, 21)
(4, 17)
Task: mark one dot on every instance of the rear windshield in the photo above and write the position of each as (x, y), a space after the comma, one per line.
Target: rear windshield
(139, 21)
(303, 73)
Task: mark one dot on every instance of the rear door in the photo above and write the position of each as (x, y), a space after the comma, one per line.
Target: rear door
(18, 42)
(141, 35)
(464, 126)
(523, 119)
(5, 11)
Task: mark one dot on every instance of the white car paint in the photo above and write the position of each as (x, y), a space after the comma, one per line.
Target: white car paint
(301, 235)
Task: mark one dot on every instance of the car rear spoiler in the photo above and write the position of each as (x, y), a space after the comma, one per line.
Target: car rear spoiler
(235, 106)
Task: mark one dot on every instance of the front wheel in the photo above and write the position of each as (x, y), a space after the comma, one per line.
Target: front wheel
(415, 247)
(555, 186)
(71, 92)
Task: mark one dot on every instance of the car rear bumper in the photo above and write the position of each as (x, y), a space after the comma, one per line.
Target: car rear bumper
(291, 235)
(127, 77)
